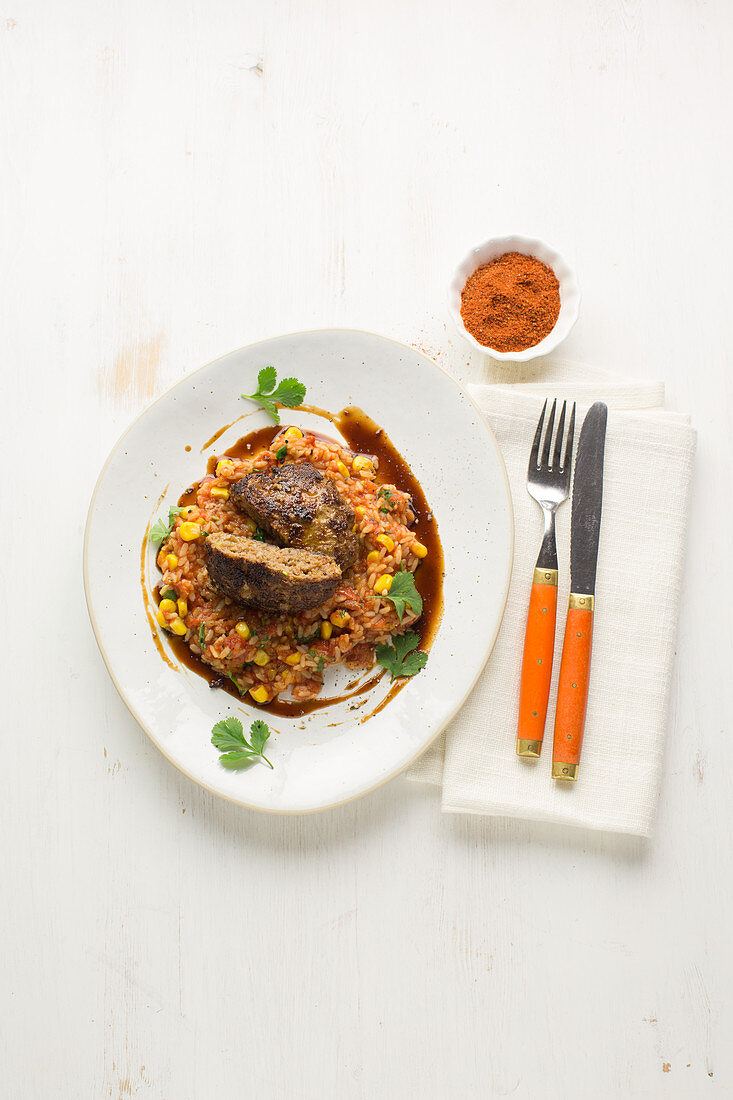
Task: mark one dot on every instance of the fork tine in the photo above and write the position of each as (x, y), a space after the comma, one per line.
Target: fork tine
(558, 439)
(568, 461)
(548, 437)
(534, 453)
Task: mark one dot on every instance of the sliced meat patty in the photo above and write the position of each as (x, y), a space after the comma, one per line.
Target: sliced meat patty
(300, 507)
(268, 577)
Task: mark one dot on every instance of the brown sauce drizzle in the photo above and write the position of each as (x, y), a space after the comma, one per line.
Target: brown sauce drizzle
(221, 431)
(149, 610)
(363, 436)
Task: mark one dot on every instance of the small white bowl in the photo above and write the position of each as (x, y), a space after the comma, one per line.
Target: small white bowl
(569, 292)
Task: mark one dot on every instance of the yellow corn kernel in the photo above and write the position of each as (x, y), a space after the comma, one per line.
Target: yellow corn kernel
(220, 494)
(386, 542)
(189, 531)
(419, 550)
(187, 510)
(340, 618)
(363, 464)
(182, 608)
(171, 561)
(167, 605)
(179, 627)
(343, 470)
(293, 659)
(260, 694)
(383, 585)
(373, 555)
(326, 630)
(360, 510)
(162, 619)
(243, 630)
(286, 676)
(292, 433)
(261, 658)
(222, 465)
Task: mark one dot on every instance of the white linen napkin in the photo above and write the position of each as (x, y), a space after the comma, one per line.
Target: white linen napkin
(648, 464)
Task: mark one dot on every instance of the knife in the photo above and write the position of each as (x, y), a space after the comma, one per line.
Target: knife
(585, 529)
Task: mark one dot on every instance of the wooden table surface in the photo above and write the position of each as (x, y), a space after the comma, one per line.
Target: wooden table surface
(180, 179)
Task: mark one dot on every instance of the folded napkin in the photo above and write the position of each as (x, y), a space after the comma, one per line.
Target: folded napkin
(648, 464)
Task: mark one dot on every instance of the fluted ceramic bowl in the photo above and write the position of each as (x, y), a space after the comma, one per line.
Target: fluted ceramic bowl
(528, 246)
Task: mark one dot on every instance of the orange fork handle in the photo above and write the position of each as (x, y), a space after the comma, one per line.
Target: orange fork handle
(539, 644)
(572, 689)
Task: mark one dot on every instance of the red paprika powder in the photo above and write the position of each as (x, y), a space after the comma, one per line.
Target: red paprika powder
(511, 303)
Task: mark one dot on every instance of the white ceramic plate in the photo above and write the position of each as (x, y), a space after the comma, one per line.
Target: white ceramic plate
(330, 756)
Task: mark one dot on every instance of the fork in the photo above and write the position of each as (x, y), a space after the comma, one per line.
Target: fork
(548, 482)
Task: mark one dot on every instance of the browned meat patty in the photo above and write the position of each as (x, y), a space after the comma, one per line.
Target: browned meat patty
(299, 507)
(268, 577)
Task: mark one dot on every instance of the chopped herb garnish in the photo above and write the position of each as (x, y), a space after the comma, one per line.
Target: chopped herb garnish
(289, 393)
(281, 452)
(259, 535)
(239, 689)
(228, 737)
(404, 594)
(160, 531)
(386, 510)
(202, 637)
(386, 493)
(169, 594)
(320, 664)
(404, 658)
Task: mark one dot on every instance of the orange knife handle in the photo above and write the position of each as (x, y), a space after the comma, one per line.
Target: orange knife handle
(539, 644)
(572, 688)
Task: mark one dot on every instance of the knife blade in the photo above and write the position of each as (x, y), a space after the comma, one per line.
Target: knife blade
(585, 529)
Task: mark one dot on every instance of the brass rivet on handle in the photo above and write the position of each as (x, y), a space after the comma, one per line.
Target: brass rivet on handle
(582, 602)
(564, 771)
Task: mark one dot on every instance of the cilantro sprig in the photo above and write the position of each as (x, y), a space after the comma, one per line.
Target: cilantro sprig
(403, 658)
(403, 594)
(290, 393)
(160, 531)
(237, 752)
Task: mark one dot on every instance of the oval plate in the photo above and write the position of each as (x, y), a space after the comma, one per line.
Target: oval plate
(336, 754)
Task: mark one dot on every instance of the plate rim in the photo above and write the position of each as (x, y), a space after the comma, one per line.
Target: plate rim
(95, 628)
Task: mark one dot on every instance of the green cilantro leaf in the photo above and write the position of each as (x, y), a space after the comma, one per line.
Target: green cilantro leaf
(289, 393)
(266, 379)
(240, 759)
(202, 637)
(414, 662)
(228, 737)
(281, 452)
(259, 535)
(228, 734)
(404, 594)
(168, 594)
(160, 531)
(400, 659)
(259, 731)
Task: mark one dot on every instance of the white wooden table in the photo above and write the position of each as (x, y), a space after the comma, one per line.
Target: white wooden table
(181, 179)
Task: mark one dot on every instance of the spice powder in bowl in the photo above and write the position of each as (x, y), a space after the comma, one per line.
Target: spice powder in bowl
(511, 303)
